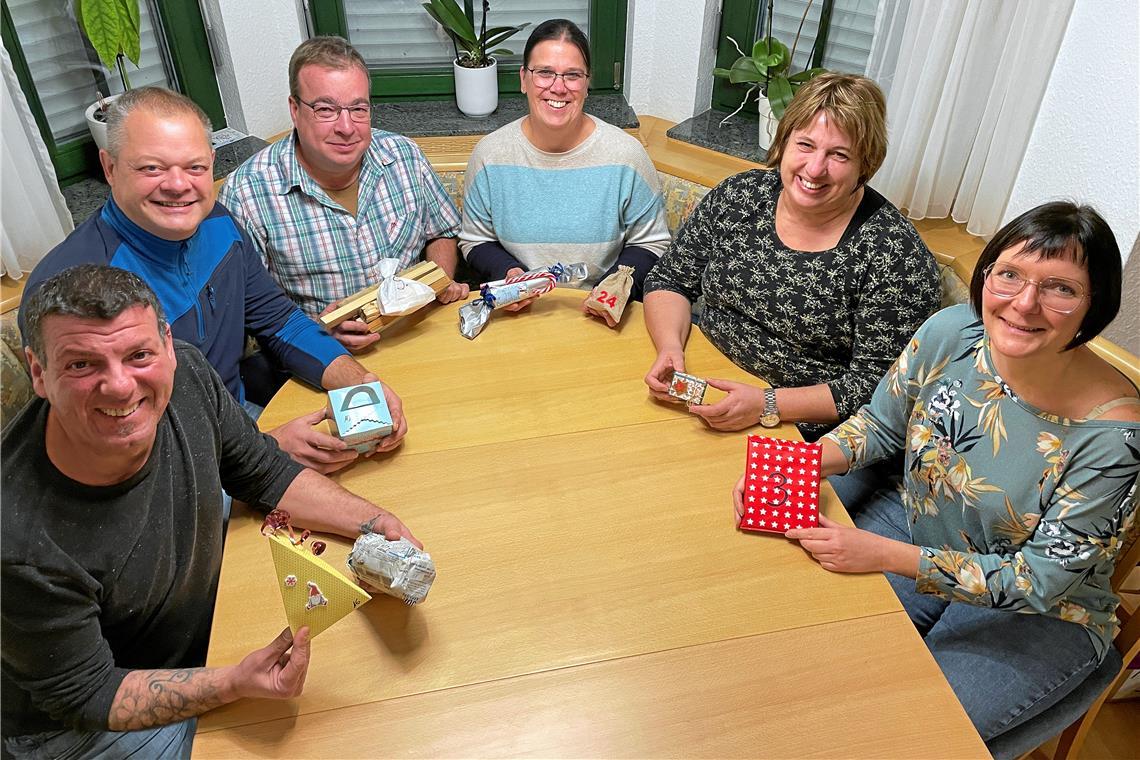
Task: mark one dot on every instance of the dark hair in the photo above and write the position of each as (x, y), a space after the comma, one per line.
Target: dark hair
(1063, 230)
(327, 51)
(558, 29)
(88, 291)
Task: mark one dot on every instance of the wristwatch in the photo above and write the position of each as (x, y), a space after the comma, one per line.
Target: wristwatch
(770, 417)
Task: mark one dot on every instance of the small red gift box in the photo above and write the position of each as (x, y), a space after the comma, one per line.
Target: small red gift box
(781, 485)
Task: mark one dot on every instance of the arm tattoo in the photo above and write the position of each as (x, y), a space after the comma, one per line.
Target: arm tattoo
(149, 698)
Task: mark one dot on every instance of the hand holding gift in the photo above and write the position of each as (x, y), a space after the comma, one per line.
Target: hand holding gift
(779, 490)
(610, 296)
(514, 290)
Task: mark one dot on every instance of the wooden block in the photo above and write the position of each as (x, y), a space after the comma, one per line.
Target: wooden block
(362, 305)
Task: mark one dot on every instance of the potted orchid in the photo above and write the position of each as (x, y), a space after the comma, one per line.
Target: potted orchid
(112, 28)
(766, 71)
(475, 67)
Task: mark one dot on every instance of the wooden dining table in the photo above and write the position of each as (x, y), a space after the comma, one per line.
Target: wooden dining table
(593, 597)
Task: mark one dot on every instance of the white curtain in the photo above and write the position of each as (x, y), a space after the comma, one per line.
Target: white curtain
(33, 212)
(966, 88)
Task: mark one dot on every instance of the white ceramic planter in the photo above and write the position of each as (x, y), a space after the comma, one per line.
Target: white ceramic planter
(98, 128)
(477, 90)
(768, 123)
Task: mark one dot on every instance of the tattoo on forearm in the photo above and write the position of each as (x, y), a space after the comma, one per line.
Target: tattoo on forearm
(148, 698)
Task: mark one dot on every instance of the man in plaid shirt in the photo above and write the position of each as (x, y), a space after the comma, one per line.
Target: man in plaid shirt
(326, 203)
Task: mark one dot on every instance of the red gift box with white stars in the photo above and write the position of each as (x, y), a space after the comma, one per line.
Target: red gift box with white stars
(781, 485)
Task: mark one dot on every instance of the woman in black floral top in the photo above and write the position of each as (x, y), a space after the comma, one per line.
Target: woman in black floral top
(812, 280)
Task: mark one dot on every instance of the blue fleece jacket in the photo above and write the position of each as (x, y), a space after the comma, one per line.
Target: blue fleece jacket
(212, 286)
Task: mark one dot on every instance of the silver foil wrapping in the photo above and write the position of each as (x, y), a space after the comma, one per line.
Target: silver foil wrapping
(473, 317)
(397, 568)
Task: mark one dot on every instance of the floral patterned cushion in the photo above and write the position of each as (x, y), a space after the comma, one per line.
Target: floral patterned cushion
(15, 384)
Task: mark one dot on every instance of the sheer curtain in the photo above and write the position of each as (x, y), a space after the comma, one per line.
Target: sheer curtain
(964, 93)
(33, 212)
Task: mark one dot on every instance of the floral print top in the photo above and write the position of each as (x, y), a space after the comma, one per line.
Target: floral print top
(798, 318)
(1013, 508)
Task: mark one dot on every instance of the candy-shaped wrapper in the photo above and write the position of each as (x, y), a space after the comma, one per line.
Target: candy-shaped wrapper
(688, 388)
(612, 294)
(400, 295)
(359, 415)
(397, 568)
(781, 485)
(473, 317)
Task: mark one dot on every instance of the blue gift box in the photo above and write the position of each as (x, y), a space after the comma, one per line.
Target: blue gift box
(359, 415)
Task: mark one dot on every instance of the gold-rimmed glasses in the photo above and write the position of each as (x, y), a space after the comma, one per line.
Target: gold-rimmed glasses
(1057, 294)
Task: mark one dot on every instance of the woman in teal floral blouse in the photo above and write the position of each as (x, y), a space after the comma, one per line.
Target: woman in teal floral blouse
(1022, 450)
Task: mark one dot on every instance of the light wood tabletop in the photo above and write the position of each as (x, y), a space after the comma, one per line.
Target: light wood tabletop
(593, 597)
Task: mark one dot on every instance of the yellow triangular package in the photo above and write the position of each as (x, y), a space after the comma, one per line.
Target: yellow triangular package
(314, 593)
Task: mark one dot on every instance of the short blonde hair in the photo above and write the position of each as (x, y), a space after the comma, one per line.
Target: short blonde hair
(157, 100)
(855, 104)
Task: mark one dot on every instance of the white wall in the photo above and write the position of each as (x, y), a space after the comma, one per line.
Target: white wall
(670, 53)
(1085, 144)
(257, 37)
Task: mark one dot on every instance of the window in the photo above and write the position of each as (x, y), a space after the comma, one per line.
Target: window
(836, 34)
(410, 56)
(61, 75)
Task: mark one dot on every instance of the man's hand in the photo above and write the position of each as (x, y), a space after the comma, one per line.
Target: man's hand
(312, 448)
(659, 375)
(841, 549)
(396, 409)
(456, 291)
(352, 334)
(740, 409)
(603, 315)
(274, 672)
(389, 526)
(526, 302)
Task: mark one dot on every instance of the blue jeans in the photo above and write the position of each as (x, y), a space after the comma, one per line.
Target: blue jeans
(1004, 667)
(173, 741)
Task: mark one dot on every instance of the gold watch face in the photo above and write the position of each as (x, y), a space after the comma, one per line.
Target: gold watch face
(770, 420)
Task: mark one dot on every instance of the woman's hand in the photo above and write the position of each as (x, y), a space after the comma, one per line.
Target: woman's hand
(669, 360)
(841, 549)
(526, 302)
(738, 500)
(740, 409)
(610, 322)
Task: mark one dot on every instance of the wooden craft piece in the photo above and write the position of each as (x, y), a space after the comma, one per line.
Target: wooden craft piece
(313, 592)
(362, 304)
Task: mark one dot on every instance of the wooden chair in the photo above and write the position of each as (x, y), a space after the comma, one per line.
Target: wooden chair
(1071, 711)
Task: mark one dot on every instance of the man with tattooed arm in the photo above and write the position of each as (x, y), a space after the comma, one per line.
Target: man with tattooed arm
(112, 529)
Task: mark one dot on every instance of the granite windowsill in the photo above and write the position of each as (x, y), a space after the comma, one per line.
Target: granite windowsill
(739, 137)
(428, 118)
(441, 118)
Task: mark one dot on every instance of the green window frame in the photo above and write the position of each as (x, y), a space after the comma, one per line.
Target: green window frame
(738, 20)
(607, 54)
(185, 36)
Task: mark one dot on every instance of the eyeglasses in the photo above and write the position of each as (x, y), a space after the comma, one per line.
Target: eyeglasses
(544, 78)
(1055, 293)
(360, 112)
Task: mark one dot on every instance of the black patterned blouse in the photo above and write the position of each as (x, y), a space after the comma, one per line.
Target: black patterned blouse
(794, 318)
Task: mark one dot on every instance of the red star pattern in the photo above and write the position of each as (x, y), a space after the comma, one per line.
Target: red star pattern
(782, 485)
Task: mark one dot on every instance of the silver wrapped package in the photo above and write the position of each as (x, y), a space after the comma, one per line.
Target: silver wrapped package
(396, 568)
(473, 317)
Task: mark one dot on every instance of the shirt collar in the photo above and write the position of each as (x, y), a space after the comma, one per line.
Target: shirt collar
(142, 242)
(294, 175)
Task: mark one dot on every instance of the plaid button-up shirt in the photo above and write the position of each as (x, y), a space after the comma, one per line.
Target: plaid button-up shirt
(316, 249)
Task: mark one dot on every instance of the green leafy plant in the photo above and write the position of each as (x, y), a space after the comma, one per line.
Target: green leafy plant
(477, 48)
(766, 69)
(112, 27)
